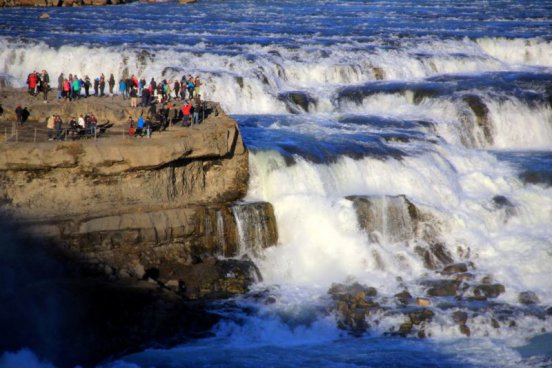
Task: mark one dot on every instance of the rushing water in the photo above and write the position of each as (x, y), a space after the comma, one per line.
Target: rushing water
(447, 103)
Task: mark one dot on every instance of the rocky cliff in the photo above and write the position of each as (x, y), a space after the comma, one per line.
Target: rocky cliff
(136, 228)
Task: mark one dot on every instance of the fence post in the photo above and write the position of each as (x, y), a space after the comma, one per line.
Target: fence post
(35, 135)
(16, 137)
(6, 134)
(123, 132)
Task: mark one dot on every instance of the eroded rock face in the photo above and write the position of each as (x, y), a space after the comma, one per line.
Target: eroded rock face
(70, 179)
(392, 219)
(126, 207)
(481, 112)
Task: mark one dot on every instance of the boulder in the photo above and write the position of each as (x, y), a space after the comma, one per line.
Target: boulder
(44, 16)
(423, 302)
(210, 279)
(419, 316)
(484, 291)
(442, 287)
(460, 317)
(403, 297)
(454, 268)
(339, 291)
(528, 298)
(297, 101)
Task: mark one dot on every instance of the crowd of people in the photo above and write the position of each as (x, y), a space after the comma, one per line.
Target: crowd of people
(84, 125)
(72, 87)
(180, 100)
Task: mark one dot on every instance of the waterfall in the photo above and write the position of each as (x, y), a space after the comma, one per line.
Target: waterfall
(256, 226)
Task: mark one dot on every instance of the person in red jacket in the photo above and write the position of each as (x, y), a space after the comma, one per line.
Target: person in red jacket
(66, 90)
(33, 83)
(186, 114)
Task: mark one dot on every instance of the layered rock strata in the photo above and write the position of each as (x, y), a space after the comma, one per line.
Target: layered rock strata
(129, 237)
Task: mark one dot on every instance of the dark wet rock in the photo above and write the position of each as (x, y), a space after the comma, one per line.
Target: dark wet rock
(502, 203)
(466, 276)
(405, 328)
(494, 323)
(549, 311)
(488, 290)
(487, 279)
(391, 217)
(460, 317)
(419, 316)
(210, 279)
(420, 91)
(239, 81)
(353, 303)
(528, 298)
(416, 319)
(403, 297)
(434, 255)
(442, 287)
(379, 74)
(275, 53)
(455, 268)
(424, 92)
(297, 101)
(537, 177)
(255, 225)
(465, 330)
(481, 112)
(337, 291)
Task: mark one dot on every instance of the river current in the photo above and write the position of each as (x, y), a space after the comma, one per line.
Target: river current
(445, 103)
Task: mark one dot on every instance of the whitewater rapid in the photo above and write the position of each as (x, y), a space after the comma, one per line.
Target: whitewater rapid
(443, 105)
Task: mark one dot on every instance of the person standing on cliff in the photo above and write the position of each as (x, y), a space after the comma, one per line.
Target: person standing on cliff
(176, 89)
(111, 83)
(122, 88)
(87, 86)
(96, 86)
(33, 83)
(66, 90)
(102, 85)
(58, 126)
(45, 85)
(196, 104)
(76, 87)
(18, 113)
(186, 114)
(133, 96)
(60, 86)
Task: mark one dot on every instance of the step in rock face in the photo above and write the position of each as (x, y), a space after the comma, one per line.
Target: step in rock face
(394, 219)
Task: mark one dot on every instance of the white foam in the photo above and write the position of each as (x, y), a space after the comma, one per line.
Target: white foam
(320, 241)
(518, 51)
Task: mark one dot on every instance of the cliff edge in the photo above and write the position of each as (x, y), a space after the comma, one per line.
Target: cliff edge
(124, 233)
